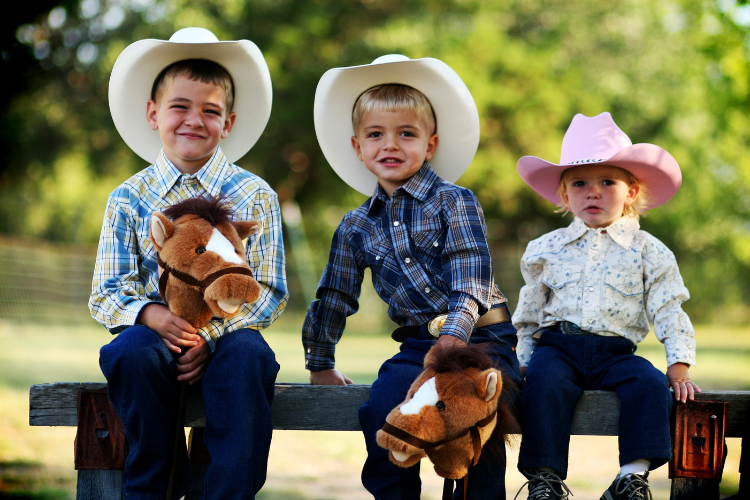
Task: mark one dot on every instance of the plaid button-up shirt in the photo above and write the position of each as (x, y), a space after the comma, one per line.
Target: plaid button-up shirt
(427, 250)
(126, 273)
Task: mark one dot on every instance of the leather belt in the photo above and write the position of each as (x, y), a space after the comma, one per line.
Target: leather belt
(493, 316)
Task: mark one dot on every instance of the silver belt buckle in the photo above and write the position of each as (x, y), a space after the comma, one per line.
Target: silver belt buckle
(436, 324)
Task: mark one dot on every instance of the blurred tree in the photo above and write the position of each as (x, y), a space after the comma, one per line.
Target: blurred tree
(674, 73)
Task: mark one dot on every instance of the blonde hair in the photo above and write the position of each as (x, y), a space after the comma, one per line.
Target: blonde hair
(394, 97)
(637, 208)
(199, 70)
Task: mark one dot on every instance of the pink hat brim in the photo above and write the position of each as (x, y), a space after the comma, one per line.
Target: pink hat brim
(656, 170)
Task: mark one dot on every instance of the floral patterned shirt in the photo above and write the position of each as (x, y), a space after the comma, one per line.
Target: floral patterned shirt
(610, 281)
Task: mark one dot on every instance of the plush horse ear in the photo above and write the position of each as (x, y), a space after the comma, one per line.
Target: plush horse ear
(161, 228)
(489, 384)
(246, 228)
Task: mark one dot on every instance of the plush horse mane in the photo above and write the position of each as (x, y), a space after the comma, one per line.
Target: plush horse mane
(214, 210)
(445, 359)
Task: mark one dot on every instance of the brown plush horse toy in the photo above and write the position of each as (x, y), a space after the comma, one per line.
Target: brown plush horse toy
(451, 411)
(203, 272)
(202, 264)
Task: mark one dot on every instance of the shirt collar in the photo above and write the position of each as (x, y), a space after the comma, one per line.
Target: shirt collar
(209, 176)
(622, 231)
(418, 186)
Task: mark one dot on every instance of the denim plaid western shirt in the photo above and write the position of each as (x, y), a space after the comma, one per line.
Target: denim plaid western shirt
(126, 273)
(427, 250)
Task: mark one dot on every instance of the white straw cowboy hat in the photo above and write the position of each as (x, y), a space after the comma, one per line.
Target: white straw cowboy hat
(141, 62)
(598, 140)
(455, 111)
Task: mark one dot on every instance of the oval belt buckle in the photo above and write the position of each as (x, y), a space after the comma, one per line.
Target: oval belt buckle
(436, 324)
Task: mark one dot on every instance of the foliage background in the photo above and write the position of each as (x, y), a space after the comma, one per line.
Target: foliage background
(672, 72)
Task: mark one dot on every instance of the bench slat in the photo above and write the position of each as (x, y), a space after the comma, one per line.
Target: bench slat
(334, 408)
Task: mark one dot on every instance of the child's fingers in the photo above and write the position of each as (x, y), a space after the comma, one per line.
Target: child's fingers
(170, 345)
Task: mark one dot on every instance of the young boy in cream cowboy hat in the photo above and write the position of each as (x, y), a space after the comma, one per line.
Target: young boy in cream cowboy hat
(591, 290)
(195, 91)
(423, 238)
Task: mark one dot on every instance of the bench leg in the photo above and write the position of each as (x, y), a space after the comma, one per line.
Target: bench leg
(99, 484)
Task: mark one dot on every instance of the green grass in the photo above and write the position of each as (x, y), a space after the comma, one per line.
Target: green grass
(36, 463)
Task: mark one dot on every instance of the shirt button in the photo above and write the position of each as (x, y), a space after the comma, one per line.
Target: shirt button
(308, 350)
(377, 257)
(407, 260)
(595, 257)
(591, 321)
(396, 223)
(427, 290)
(628, 289)
(591, 289)
(435, 244)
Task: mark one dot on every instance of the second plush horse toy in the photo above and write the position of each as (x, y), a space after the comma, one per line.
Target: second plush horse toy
(451, 411)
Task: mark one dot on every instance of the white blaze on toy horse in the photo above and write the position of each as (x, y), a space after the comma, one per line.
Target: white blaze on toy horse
(451, 411)
(203, 271)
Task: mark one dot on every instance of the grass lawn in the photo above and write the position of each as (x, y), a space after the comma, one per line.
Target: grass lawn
(37, 462)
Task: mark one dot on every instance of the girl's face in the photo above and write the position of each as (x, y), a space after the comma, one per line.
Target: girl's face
(597, 194)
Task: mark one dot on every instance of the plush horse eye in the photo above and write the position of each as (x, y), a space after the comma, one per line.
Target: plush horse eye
(200, 250)
(440, 405)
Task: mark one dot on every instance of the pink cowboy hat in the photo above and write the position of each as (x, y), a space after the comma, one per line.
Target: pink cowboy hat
(598, 140)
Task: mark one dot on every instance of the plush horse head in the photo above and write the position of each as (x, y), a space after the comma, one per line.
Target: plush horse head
(451, 411)
(203, 271)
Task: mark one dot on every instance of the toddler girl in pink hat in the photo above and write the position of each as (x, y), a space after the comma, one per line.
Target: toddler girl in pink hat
(592, 290)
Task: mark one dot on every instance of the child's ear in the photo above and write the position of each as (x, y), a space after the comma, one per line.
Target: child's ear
(432, 144)
(633, 192)
(228, 124)
(151, 109)
(357, 147)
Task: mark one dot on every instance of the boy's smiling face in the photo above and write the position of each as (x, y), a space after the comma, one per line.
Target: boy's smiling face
(191, 118)
(597, 194)
(393, 146)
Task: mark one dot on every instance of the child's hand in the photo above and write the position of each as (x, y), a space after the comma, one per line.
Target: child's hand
(174, 331)
(450, 341)
(329, 377)
(679, 380)
(193, 363)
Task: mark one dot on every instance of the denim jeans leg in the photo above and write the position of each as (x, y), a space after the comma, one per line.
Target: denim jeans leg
(549, 399)
(384, 480)
(238, 389)
(645, 403)
(141, 383)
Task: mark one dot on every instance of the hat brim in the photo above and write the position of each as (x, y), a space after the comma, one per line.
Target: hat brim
(141, 62)
(654, 168)
(455, 110)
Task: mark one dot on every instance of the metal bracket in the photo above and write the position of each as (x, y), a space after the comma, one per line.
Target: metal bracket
(698, 450)
(100, 439)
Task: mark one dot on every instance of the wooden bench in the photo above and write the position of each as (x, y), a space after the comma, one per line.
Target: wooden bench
(334, 408)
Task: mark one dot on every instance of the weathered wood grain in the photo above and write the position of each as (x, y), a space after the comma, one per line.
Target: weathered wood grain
(334, 408)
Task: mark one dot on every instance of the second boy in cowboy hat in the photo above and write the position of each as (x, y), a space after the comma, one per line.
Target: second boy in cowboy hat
(591, 291)
(195, 91)
(422, 237)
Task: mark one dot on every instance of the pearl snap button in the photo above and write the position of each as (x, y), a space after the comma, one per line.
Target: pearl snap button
(427, 290)
(591, 289)
(377, 257)
(629, 289)
(435, 244)
(591, 321)
(407, 260)
(395, 223)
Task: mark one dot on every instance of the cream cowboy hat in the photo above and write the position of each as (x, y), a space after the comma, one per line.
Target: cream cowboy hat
(141, 62)
(455, 111)
(598, 140)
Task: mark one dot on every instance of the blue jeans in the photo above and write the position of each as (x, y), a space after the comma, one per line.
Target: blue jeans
(238, 388)
(561, 368)
(386, 481)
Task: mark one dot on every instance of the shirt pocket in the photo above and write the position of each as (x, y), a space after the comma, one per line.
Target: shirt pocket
(623, 298)
(564, 282)
(428, 245)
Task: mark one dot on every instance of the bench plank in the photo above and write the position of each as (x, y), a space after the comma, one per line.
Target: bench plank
(334, 408)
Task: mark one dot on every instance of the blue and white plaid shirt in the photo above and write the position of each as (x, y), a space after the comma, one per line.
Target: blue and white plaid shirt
(428, 253)
(126, 274)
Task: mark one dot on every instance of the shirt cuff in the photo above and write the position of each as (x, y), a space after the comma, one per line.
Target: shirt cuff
(319, 357)
(680, 350)
(458, 325)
